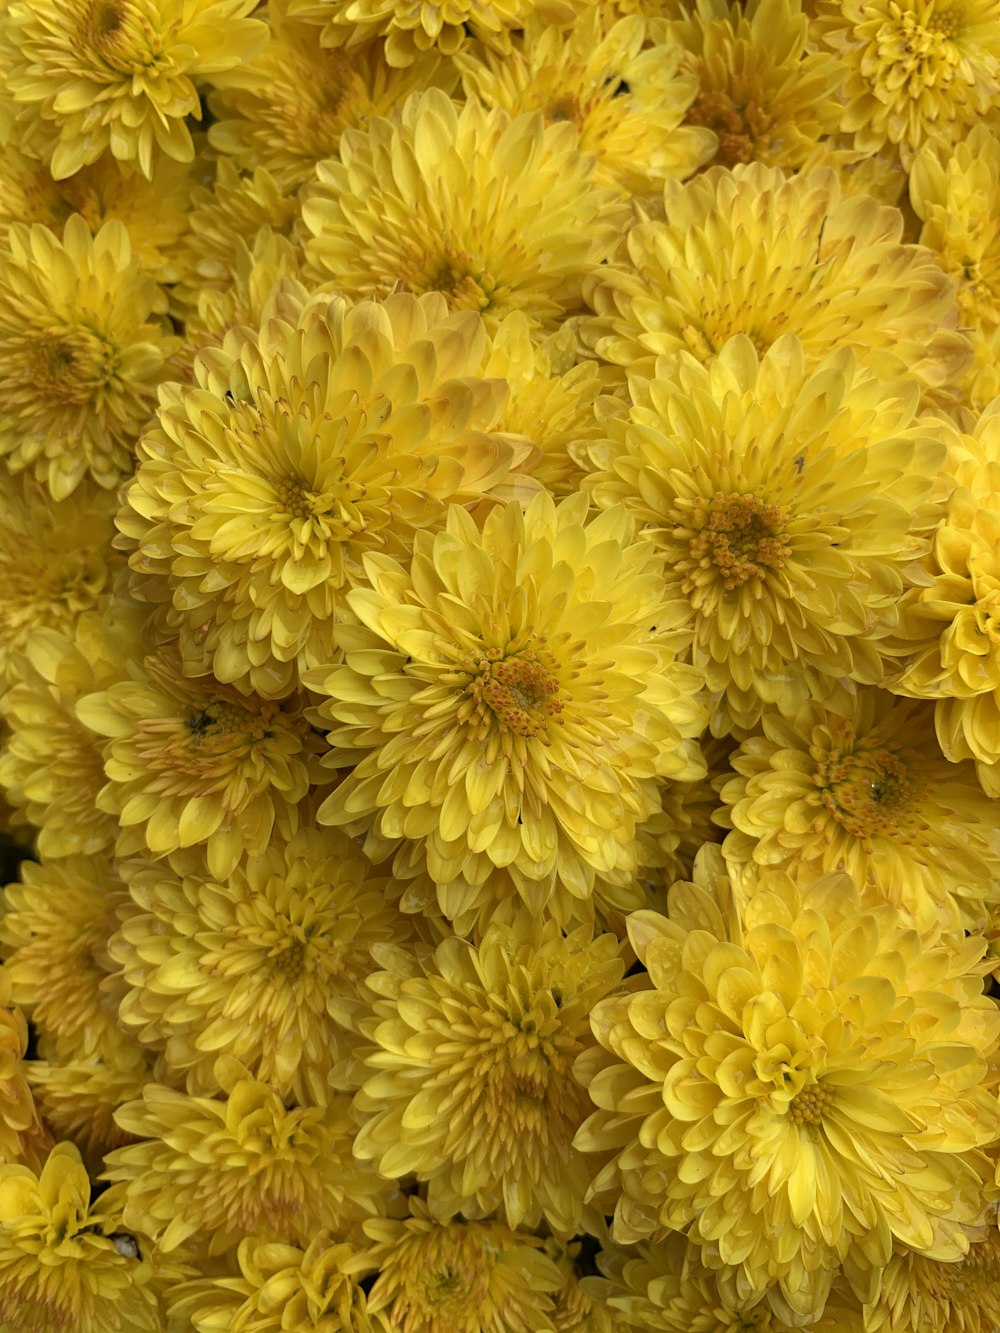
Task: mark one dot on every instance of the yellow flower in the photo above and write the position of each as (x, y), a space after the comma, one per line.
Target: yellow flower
(260, 966)
(243, 1164)
(194, 761)
(468, 1084)
(917, 67)
(65, 1264)
(772, 490)
(751, 251)
(94, 76)
(308, 95)
(762, 93)
(281, 1288)
(459, 1277)
(333, 433)
(579, 1309)
(627, 102)
(922, 1296)
(83, 346)
(673, 836)
(508, 703)
(253, 273)
(869, 794)
(798, 1095)
(499, 213)
(23, 1137)
(412, 27)
(52, 766)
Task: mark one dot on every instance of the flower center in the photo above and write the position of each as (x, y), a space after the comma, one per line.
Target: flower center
(72, 364)
(867, 793)
(809, 1105)
(735, 538)
(520, 693)
(742, 127)
(918, 53)
(451, 270)
(297, 501)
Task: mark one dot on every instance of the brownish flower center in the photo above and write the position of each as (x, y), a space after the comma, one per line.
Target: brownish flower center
(808, 1106)
(739, 538)
(71, 363)
(868, 792)
(521, 692)
(742, 127)
(295, 499)
(449, 269)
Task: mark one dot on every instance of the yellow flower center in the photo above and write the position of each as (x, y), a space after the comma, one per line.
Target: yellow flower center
(455, 272)
(742, 127)
(72, 364)
(448, 1275)
(808, 1106)
(222, 717)
(520, 693)
(869, 792)
(733, 539)
(296, 499)
(916, 52)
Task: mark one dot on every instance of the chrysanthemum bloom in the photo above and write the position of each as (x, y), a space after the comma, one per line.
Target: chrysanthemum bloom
(459, 1277)
(260, 966)
(672, 837)
(56, 561)
(666, 1288)
(243, 1164)
(788, 505)
(917, 67)
(764, 97)
(83, 346)
(308, 95)
(578, 1309)
(870, 794)
(281, 1288)
(23, 1137)
(468, 1085)
(509, 701)
(254, 272)
(921, 1296)
(54, 931)
(498, 213)
(412, 27)
(65, 1264)
(52, 766)
(116, 76)
(194, 761)
(627, 103)
(798, 1095)
(751, 251)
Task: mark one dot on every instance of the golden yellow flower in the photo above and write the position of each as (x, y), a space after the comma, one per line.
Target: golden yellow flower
(83, 346)
(627, 98)
(734, 468)
(253, 273)
(89, 77)
(23, 1137)
(220, 1169)
(468, 1084)
(52, 766)
(762, 92)
(917, 67)
(66, 1266)
(872, 795)
(799, 1094)
(194, 761)
(751, 251)
(499, 213)
(308, 95)
(921, 1296)
(459, 1277)
(508, 702)
(333, 433)
(412, 27)
(281, 1288)
(261, 966)
(673, 836)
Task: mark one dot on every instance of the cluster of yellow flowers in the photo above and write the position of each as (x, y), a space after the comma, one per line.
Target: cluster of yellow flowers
(500, 666)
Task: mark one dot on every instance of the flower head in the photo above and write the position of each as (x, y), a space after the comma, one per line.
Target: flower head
(83, 346)
(509, 701)
(924, 1296)
(393, 211)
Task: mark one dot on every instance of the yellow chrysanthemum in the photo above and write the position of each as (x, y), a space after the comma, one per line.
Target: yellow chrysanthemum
(579, 1309)
(799, 1094)
(751, 251)
(245, 298)
(54, 931)
(23, 1138)
(871, 795)
(194, 761)
(56, 562)
(772, 491)
(281, 1289)
(308, 95)
(921, 1296)
(509, 701)
(65, 1264)
(672, 837)
(52, 766)
(764, 95)
(468, 1085)
(119, 76)
(334, 433)
(243, 1164)
(412, 27)
(627, 102)
(917, 68)
(83, 346)
(261, 966)
(460, 1277)
(498, 213)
